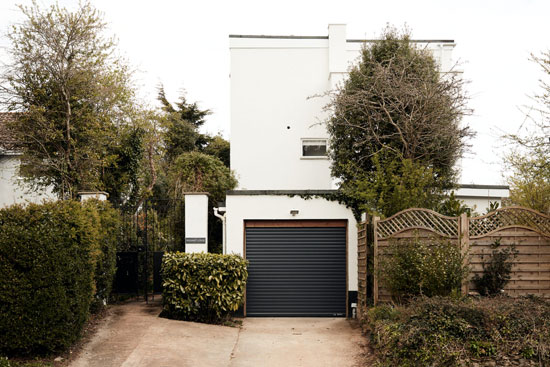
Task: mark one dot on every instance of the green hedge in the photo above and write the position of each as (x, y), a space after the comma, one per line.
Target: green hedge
(47, 261)
(202, 287)
(106, 220)
(438, 331)
(57, 262)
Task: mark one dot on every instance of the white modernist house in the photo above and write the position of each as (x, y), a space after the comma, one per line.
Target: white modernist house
(302, 249)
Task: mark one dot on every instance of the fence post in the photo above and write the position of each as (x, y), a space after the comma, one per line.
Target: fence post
(361, 267)
(375, 270)
(464, 242)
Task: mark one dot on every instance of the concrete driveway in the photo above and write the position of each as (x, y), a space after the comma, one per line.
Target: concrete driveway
(134, 335)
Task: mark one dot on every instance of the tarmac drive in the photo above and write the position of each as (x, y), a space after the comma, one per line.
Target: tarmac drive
(133, 335)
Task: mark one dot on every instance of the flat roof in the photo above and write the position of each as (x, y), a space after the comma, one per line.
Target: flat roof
(280, 192)
(487, 187)
(326, 38)
(328, 192)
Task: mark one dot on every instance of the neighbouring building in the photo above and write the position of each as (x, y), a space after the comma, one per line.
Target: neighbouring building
(302, 249)
(12, 190)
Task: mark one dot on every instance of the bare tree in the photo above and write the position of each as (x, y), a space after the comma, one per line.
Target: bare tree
(529, 158)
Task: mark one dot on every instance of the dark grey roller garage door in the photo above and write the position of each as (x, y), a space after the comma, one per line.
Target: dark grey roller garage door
(296, 271)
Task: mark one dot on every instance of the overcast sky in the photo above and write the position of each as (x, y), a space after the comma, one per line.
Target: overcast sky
(184, 45)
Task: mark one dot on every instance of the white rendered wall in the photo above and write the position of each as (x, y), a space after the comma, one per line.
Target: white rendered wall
(241, 208)
(11, 192)
(478, 199)
(273, 84)
(271, 113)
(196, 222)
(479, 204)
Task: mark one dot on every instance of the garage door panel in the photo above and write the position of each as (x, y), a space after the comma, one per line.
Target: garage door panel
(296, 271)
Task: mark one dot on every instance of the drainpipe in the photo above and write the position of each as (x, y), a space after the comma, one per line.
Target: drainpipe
(222, 217)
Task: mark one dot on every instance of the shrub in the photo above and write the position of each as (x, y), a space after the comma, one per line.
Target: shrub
(497, 271)
(107, 221)
(202, 287)
(433, 267)
(446, 332)
(47, 261)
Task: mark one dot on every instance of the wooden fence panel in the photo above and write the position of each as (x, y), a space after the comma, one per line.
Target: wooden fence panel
(531, 268)
(362, 269)
(384, 295)
(527, 229)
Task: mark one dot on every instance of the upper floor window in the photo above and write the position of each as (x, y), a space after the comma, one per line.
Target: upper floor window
(314, 148)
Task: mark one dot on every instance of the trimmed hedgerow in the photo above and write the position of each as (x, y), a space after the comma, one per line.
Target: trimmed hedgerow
(202, 287)
(438, 331)
(106, 220)
(47, 262)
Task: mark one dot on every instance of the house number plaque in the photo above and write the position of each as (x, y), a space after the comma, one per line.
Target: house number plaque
(195, 240)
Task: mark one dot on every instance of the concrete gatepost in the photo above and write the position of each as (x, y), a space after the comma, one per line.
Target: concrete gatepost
(86, 195)
(196, 222)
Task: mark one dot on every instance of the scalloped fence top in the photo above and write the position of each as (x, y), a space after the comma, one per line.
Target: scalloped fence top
(418, 218)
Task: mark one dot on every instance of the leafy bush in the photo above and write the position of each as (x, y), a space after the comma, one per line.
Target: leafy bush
(433, 267)
(47, 262)
(202, 287)
(106, 220)
(444, 332)
(497, 271)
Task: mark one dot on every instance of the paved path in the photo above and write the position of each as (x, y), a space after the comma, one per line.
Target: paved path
(133, 335)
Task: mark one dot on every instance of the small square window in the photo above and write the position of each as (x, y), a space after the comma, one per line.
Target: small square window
(314, 147)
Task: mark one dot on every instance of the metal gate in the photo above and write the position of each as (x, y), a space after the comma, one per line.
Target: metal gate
(147, 232)
(296, 271)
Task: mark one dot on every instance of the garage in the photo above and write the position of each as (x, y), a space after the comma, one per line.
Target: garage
(297, 268)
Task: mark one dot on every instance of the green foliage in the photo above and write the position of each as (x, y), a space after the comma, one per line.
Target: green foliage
(48, 257)
(447, 332)
(181, 134)
(121, 179)
(530, 180)
(186, 111)
(497, 271)
(74, 94)
(218, 147)
(453, 207)
(107, 222)
(202, 287)
(493, 206)
(199, 172)
(433, 267)
(394, 185)
(395, 120)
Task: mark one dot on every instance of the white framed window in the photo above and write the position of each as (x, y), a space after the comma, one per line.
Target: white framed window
(314, 148)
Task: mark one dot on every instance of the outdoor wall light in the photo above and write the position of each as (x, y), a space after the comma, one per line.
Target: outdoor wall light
(293, 212)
